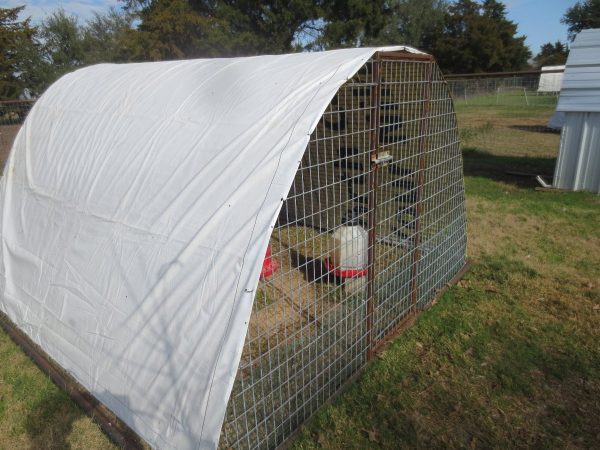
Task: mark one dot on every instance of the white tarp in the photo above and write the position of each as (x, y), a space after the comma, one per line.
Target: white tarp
(137, 204)
(550, 80)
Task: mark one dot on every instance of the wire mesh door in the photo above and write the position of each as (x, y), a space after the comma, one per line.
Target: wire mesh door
(344, 265)
(420, 227)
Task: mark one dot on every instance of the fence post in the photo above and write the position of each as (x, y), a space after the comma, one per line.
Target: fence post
(373, 180)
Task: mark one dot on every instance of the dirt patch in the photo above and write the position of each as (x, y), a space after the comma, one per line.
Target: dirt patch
(8, 133)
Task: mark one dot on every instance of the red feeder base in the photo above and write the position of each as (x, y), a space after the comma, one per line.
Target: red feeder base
(270, 265)
(344, 273)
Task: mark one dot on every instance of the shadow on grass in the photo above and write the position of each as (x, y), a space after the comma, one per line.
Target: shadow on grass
(534, 129)
(50, 420)
(517, 170)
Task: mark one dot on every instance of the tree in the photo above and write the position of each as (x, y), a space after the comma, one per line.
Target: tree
(478, 38)
(412, 21)
(172, 30)
(62, 38)
(581, 16)
(200, 28)
(272, 25)
(551, 54)
(105, 35)
(351, 23)
(20, 64)
(34, 57)
(61, 44)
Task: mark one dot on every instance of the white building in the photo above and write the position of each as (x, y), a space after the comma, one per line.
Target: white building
(551, 79)
(578, 163)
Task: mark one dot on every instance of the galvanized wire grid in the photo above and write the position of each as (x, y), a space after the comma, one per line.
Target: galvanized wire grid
(311, 330)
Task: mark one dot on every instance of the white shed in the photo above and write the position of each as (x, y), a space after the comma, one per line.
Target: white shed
(551, 79)
(578, 163)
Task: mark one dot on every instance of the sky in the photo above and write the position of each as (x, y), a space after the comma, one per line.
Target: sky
(539, 20)
(38, 9)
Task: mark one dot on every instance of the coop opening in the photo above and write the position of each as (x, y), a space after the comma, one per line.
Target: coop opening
(373, 226)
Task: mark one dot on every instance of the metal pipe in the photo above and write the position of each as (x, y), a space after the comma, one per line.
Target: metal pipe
(15, 102)
(499, 74)
(372, 200)
(405, 56)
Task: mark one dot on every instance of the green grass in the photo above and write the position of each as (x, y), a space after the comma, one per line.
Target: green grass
(34, 413)
(509, 103)
(510, 357)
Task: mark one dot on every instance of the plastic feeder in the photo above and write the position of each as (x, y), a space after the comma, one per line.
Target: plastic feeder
(270, 265)
(349, 257)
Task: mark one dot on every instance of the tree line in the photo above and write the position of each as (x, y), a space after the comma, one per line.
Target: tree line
(465, 36)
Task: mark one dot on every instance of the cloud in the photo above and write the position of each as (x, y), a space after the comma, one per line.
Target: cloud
(83, 9)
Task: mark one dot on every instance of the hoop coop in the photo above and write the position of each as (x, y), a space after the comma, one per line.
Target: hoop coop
(366, 227)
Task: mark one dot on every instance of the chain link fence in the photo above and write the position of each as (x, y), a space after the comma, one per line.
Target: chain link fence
(510, 89)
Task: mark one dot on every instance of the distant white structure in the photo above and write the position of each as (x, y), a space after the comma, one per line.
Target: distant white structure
(550, 83)
(550, 79)
(578, 163)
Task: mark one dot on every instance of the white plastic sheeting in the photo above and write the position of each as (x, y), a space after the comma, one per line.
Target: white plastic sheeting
(550, 82)
(137, 204)
(578, 163)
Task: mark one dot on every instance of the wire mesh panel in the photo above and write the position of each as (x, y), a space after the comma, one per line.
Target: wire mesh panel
(442, 243)
(372, 226)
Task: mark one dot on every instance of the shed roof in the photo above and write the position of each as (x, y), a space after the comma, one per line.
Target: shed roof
(580, 90)
(137, 204)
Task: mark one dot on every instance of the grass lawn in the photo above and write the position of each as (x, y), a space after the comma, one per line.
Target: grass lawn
(509, 357)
